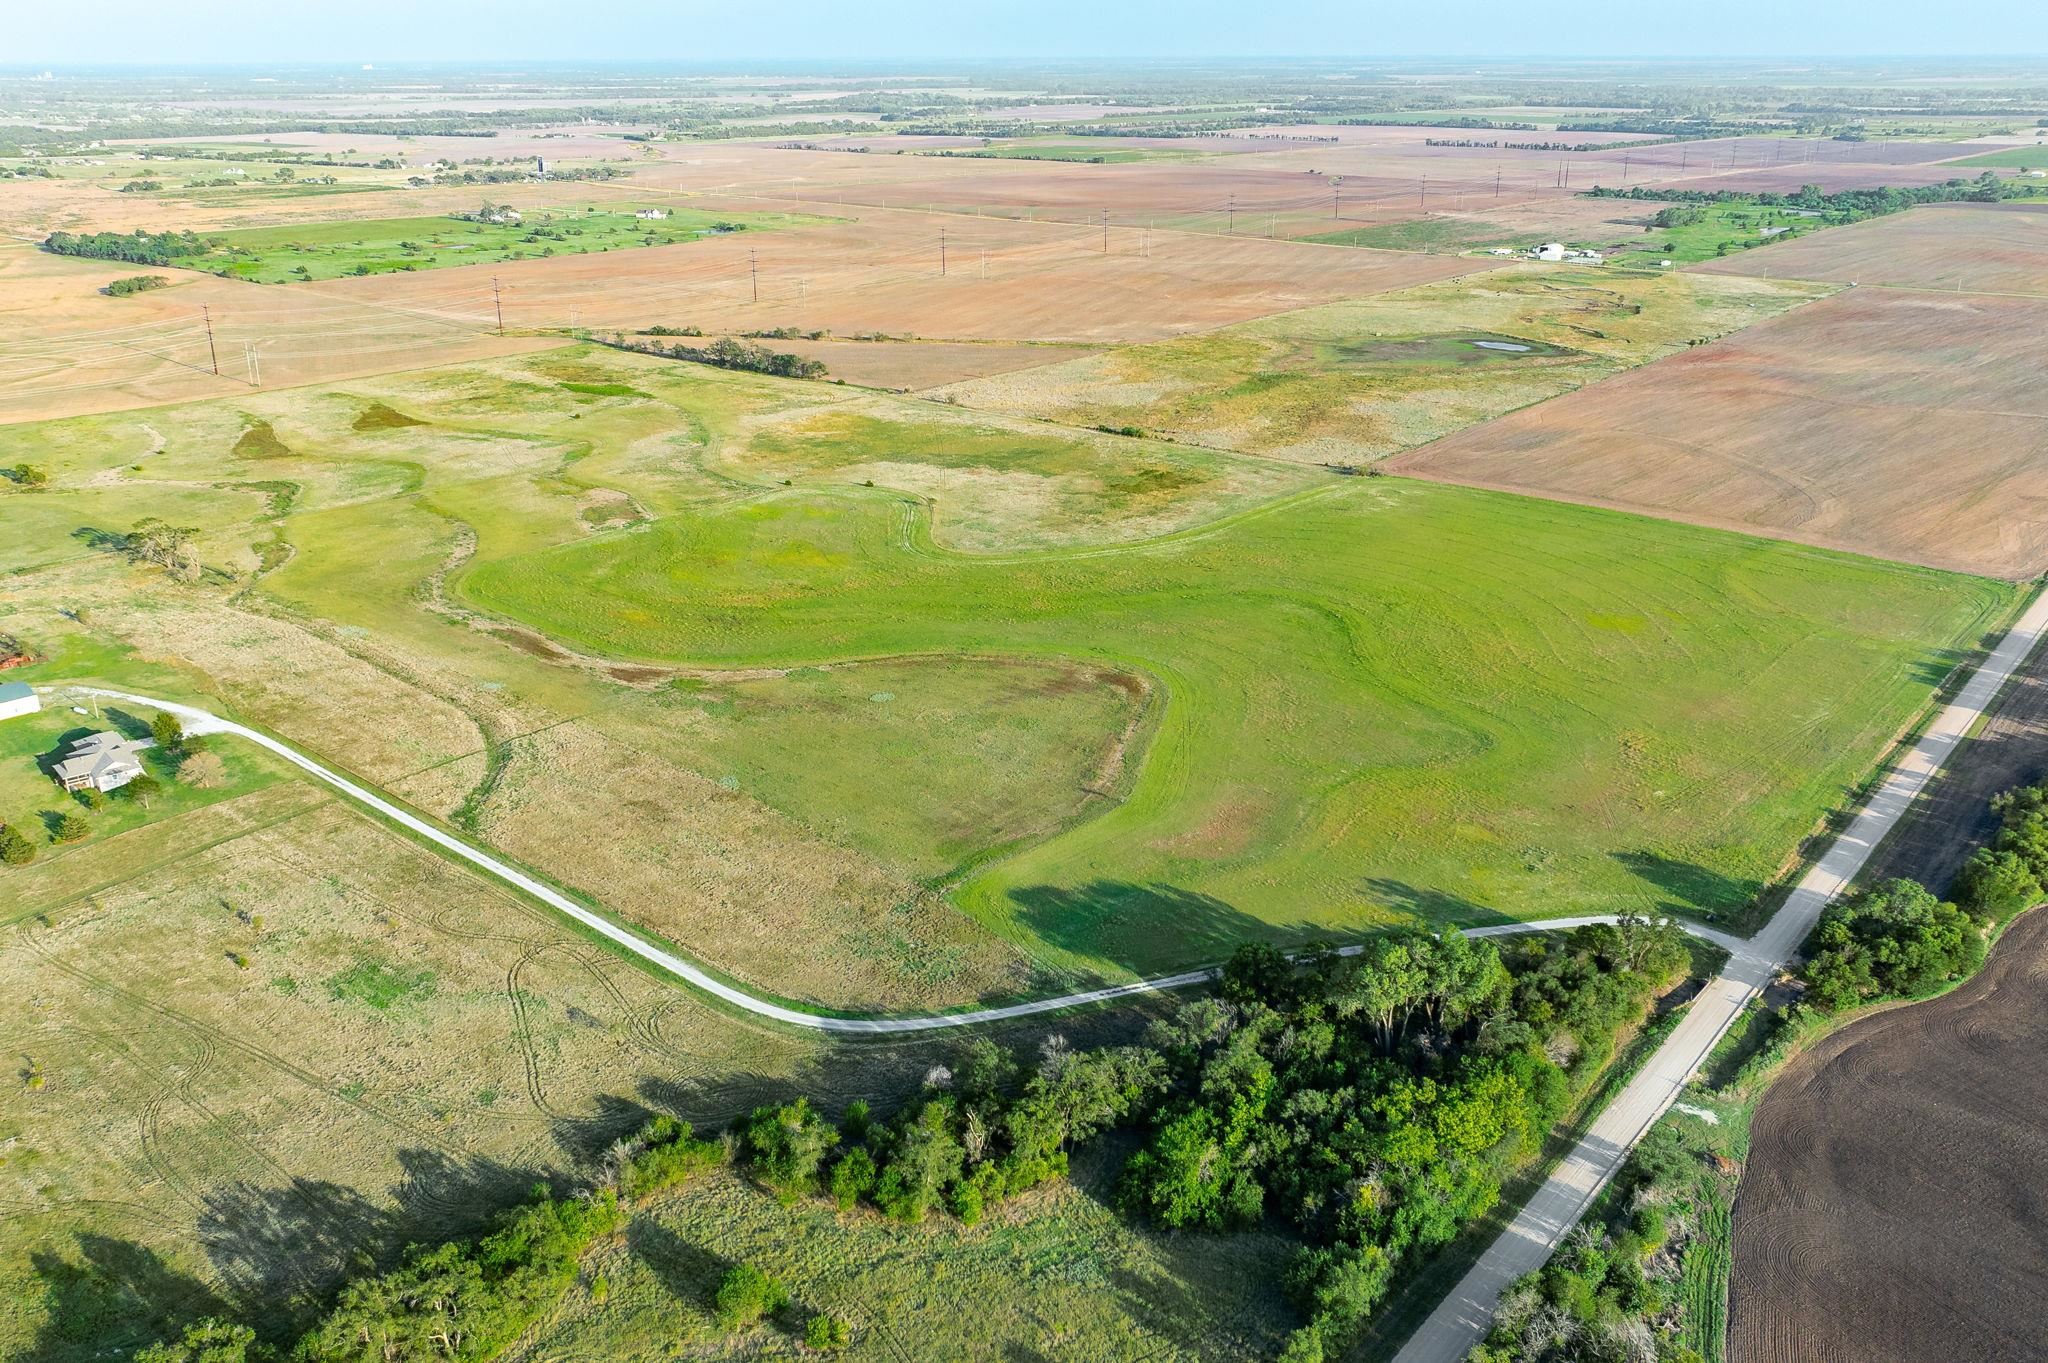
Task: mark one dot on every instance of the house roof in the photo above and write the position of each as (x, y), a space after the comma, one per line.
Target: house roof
(98, 752)
(15, 691)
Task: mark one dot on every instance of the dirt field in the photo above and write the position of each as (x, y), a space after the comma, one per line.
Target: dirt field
(1890, 1212)
(1980, 248)
(1954, 815)
(1044, 281)
(1906, 425)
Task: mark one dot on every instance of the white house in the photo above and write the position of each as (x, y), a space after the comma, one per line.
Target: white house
(17, 698)
(1549, 250)
(102, 760)
(651, 213)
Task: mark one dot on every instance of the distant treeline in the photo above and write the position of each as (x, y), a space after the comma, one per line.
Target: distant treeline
(1462, 121)
(1842, 206)
(727, 353)
(138, 247)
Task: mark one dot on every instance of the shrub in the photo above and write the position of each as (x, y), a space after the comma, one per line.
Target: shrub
(92, 799)
(71, 828)
(827, 1334)
(786, 1147)
(853, 1178)
(15, 850)
(746, 1295)
(672, 1154)
(208, 1341)
(143, 789)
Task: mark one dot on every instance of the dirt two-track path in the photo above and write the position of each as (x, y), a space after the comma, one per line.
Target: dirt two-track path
(197, 721)
(1463, 1317)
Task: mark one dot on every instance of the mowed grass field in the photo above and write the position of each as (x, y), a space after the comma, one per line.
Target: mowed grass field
(1359, 380)
(329, 250)
(254, 1043)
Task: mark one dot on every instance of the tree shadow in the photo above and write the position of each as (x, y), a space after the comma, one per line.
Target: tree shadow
(1693, 890)
(585, 1139)
(1434, 907)
(448, 1197)
(278, 1250)
(690, 1272)
(115, 1297)
(106, 541)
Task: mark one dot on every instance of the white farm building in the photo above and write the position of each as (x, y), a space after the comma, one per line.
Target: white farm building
(17, 698)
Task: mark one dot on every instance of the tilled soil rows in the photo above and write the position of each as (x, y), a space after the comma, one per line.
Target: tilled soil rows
(1891, 1210)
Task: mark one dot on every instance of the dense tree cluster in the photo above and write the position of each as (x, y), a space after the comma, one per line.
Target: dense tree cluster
(1597, 1299)
(1891, 940)
(1843, 206)
(2012, 873)
(729, 353)
(143, 248)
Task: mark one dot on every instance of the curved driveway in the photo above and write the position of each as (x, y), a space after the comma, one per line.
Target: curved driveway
(199, 721)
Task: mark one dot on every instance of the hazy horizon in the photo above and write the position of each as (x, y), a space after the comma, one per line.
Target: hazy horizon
(241, 32)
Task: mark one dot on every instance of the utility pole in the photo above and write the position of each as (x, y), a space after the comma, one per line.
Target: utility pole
(498, 303)
(1425, 195)
(207, 317)
(1336, 198)
(1624, 167)
(753, 274)
(1496, 182)
(1105, 231)
(1231, 227)
(942, 253)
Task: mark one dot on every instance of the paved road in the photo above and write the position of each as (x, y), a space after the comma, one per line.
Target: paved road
(1464, 1316)
(199, 721)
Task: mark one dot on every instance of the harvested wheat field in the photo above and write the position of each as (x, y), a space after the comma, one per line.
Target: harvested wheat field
(1906, 425)
(69, 350)
(1890, 1210)
(1978, 248)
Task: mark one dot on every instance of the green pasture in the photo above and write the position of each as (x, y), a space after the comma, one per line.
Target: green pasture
(1382, 700)
(1423, 234)
(327, 250)
(1722, 229)
(2011, 158)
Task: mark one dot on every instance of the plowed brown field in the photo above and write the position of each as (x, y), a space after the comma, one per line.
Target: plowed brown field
(1985, 248)
(1906, 425)
(1891, 1211)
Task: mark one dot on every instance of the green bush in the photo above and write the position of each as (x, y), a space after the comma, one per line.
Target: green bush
(71, 828)
(746, 1295)
(827, 1334)
(15, 849)
(671, 1153)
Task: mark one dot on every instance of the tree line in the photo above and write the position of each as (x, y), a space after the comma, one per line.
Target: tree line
(1369, 1103)
(1842, 206)
(139, 247)
(728, 353)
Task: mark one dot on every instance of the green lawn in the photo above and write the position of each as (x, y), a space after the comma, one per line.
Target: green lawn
(31, 802)
(1382, 698)
(1424, 234)
(326, 250)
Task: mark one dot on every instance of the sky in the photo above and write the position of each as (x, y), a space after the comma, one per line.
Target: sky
(231, 31)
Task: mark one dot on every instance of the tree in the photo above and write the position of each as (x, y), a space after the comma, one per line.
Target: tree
(853, 1178)
(745, 1295)
(168, 730)
(143, 789)
(30, 476)
(72, 828)
(15, 849)
(786, 1146)
(208, 1341)
(204, 770)
(923, 1159)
